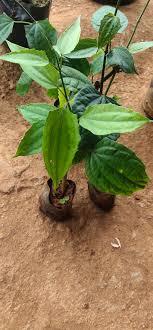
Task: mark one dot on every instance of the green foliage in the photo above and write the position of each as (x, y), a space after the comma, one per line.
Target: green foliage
(140, 46)
(113, 168)
(6, 27)
(23, 84)
(85, 48)
(27, 57)
(32, 141)
(105, 119)
(42, 36)
(35, 112)
(60, 143)
(122, 58)
(69, 38)
(80, 64)
(105, 10)
(109, 26)
(73, 79)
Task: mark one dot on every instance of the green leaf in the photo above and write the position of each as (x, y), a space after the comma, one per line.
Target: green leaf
(74, 80)
(80, 64)
(97, 63)
(115, 169)
(140, 46)
(27, 57)
(60, 143)
(46, 76)
(23, 84)
(109, 26)
(53, 93)
(84, 49)
(105, 119)
(42, 36)
(88, 95)
(35, 112)
(69, 38)
(121, 57)
(6, 27)
(32, 141)
(101, 12)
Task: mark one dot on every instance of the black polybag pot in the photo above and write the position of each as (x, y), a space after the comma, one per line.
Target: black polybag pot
(114, 2)
(16, 12)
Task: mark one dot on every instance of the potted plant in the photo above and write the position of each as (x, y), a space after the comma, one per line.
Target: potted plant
(21, 12)
(85, 123)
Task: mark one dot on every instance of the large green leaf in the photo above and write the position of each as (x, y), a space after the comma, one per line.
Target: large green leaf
(46, 76)
(23, 84)
(105, 119)
(121, 57)
(42, 36)
(32, 141)
(60, 143)
(69, 38)
(27, 57)
(84, 49)
(140, 46)
(113, 168)
(6, 27)
(35, 112)
(109, 26)
(101, 12)
(74, 80)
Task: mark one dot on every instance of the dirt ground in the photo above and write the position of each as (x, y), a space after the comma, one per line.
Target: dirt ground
(68, 276)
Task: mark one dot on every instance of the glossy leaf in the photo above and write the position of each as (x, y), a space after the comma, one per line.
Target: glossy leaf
(6, 27)
(42, 36)
(74, 80)
(69, 38)
(23, 84)
(88, 96)
(27, 57)
(105, 119)
(105, 10)
(140, 46)
(109, 26)
(121, 57)
(85, 48)
(35, 112)
(60, 143)
(115, 169)
(32, 141)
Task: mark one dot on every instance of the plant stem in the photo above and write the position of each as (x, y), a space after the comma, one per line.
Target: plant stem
(103, 70)
(63, 85)
(137, 23)
(117, 6)
(110, 83)
(22, 22)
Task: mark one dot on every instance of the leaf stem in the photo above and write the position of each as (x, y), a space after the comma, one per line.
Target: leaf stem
(137, 23)
(110, 82)
(22, 22)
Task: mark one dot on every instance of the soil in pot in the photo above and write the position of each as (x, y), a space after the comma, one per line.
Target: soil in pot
(103, 200)
(57, 206)
(147, 104)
